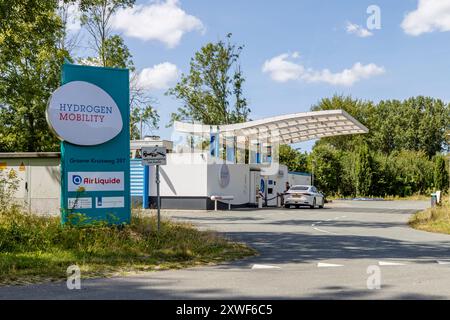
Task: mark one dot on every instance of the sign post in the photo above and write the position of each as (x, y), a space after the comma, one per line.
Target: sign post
(155, 156)
(158, 197)
(90, 114)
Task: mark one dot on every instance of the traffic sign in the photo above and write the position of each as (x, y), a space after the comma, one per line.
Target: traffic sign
(152, 156)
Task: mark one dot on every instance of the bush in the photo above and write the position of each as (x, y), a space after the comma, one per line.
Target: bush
(9, 183)
(440, 173)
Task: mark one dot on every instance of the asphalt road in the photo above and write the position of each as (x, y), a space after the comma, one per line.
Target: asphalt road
(304, 254)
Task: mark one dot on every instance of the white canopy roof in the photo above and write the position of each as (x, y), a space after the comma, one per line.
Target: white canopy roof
(288, 129)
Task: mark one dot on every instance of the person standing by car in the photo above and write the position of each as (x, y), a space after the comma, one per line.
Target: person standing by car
(288, 186)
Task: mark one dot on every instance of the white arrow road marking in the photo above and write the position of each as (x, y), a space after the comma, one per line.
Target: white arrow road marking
(387, 263)
(443, 262)
(325, 231)
(264, 266)
(328, 265)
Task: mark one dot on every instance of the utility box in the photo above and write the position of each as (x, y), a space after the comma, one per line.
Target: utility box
(38, 180)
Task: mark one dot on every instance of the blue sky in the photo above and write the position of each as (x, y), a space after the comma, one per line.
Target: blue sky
(408, 56)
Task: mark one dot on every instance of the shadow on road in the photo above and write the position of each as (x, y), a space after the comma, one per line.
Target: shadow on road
(285, 247)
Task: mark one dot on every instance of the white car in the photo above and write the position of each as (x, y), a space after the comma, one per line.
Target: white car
(303, 196)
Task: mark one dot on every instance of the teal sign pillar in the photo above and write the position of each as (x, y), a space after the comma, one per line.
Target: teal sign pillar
(100, 172)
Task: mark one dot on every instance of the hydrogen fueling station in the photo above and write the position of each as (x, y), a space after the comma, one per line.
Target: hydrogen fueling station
(221, 167)
(103, 175)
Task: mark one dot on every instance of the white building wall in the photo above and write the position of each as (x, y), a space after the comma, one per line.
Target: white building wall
(185, 175)
(238, 186)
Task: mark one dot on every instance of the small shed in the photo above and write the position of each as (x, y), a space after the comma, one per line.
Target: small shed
(39, 179)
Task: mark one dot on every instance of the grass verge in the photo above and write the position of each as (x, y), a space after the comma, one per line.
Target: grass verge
(433, 219)
(414, 197)
(37, 249)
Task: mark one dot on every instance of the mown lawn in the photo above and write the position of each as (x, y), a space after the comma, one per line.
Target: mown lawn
(36, 249)
(433, 219)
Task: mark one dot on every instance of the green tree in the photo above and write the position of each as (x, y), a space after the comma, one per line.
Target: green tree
(347, 177)
(30, 62)
(359, 109)
(295, 161)
(324, 162)
(140, 118)
(96, 18)
(111, 51)
(363, 171)
(418, 123)
(414, 172)
(212, 92)
(440, 173)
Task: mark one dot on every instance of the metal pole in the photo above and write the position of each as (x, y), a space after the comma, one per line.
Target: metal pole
(158, 200)
(145, 195)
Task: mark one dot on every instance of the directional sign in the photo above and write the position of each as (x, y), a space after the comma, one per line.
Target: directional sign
(152, 156)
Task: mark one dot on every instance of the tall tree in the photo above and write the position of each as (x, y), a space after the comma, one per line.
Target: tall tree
(212, 92)
(111, 51)
(359, 109)
(363, 171)
(30, 61)
(96, 18)
(324, 163)
(142, 114)
(293, 159)
(418, 123)
(68, 12)
(440, 173)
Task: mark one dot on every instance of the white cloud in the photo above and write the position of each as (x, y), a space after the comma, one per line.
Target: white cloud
(357, 30)
(158, 77)
(430, 15)
(347, 77)
(282, 70)
(163, 21)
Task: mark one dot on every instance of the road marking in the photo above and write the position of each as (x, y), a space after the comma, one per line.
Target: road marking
(387, 263)
(328, 265)
(325, 231)
(443, 262)
(264, 266)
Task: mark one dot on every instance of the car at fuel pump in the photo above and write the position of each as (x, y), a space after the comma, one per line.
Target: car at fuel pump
(303, 196)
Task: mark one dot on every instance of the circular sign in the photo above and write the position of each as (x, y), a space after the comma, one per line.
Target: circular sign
(224, 176)
(83, 114)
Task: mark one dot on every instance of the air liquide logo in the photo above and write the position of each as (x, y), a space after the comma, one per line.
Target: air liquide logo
(96, 181)
(84, 114)
(77, 180)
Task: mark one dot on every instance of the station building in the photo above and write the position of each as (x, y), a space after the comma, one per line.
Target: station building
(237, 162)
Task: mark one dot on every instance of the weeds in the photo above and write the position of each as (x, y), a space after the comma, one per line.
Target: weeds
(435, 219)
(35, 248)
